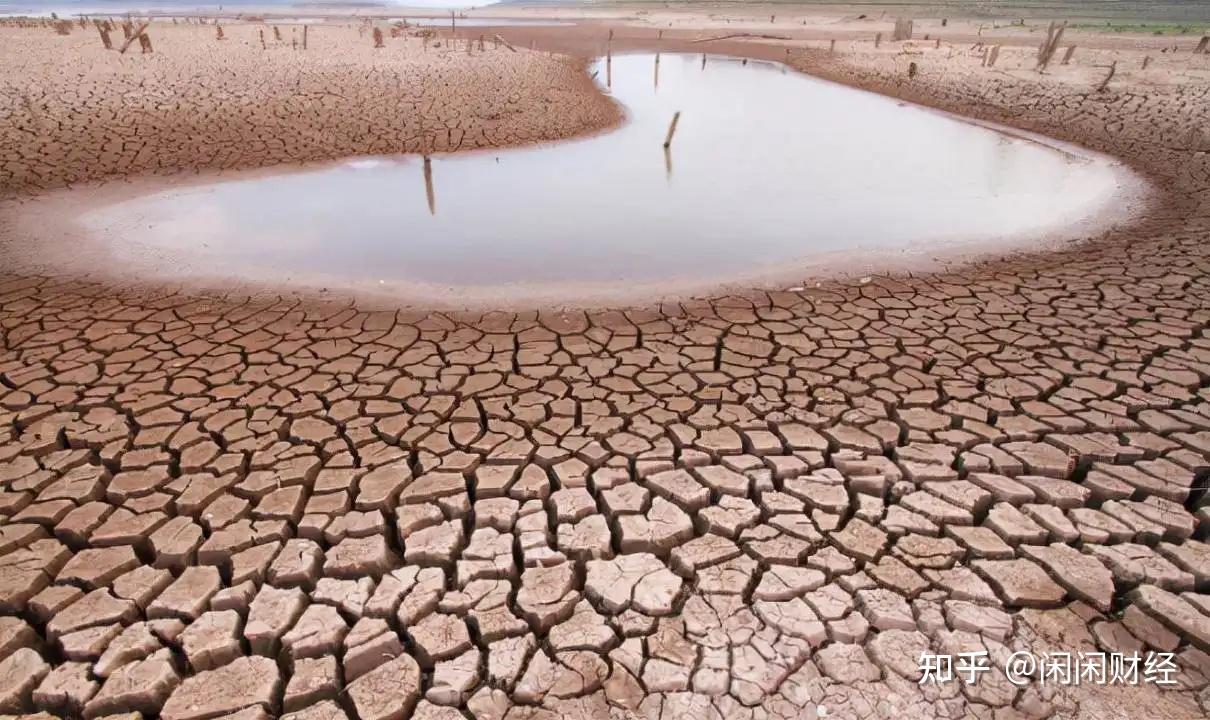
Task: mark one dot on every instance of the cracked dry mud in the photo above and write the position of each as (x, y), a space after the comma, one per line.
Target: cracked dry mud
(756, 506)
(76, 112)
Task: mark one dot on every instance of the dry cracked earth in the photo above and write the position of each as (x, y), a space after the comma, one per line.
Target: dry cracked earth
(75, 112)
(765, 505)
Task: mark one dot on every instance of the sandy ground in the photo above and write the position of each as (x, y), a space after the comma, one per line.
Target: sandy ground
(757, 505)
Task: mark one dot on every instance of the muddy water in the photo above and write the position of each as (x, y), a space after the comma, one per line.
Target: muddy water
(769, 171)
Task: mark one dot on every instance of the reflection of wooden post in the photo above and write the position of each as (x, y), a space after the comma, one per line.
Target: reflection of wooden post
(277, 33)
(428, 185)
(1071, 50)
(377, 37)
(657, 71)
(608, 69)
(832, 46)
(668, 162)
(877, 40)
(1201, 45)
(145, 43)
(703, 61)
(676, 117)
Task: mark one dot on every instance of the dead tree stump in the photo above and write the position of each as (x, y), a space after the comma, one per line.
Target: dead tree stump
(1105, 83)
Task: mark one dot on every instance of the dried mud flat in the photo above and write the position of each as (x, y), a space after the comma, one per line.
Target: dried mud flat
(764, 505)
(76, 112)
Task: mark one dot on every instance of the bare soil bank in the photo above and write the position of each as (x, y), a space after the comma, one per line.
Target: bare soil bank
(77, 112)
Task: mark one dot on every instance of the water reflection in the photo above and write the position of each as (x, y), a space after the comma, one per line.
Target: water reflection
(770, 169)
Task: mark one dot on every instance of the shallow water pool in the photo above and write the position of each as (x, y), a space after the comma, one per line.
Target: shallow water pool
(769, 170)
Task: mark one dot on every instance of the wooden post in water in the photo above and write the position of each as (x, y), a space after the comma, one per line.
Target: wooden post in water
(676, 117)
(832, 46)
(429, 194)
(262, 39)
(304, 37)
(877, 40)
(1202, 45)
(1071, 50)
(657, 71)
(453, 23)
(218, 32)
(105, 37)
(377, 37)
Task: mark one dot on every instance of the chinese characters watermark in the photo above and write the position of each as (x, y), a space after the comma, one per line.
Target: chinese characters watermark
(1059, 668)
